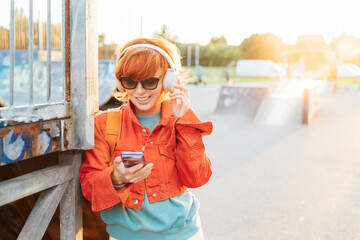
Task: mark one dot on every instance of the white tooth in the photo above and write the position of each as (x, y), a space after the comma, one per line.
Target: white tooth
(144, 98)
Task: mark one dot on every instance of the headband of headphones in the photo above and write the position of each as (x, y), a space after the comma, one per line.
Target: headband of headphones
(159, 50)
(171, 76)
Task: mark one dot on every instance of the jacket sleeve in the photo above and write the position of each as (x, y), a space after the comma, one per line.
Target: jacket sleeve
(194, 166)
(95, 172)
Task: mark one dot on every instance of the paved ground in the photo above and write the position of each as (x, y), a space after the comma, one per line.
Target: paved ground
(282, 182)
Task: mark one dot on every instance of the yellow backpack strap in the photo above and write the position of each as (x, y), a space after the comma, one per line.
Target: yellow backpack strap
(113, 129)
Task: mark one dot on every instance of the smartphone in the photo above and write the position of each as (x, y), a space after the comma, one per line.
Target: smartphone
(132, 158)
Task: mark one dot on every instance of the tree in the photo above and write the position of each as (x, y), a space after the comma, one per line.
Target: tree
(313, 59)
(261, 46)
(310, 41)
(167, 34)
(101, 46)
(106, 51)
(101, 39)
(347, 48)
(218, 40)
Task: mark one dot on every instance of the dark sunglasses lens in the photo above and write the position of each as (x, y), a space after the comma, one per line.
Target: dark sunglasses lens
(128, 83)
(150, 83)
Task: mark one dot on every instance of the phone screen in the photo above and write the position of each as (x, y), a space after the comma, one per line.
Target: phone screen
(132, 158)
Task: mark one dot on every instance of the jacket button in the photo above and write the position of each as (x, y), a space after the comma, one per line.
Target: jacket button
(151, 142)
(154, 195)
(136, 201)
(143, 148)
(144, 130)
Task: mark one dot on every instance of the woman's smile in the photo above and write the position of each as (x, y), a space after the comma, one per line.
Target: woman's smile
(143, 99)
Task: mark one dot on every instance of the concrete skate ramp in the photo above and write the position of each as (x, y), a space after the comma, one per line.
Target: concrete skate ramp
(279, 109)
(242, 99)
(326, 87)
(297, 102)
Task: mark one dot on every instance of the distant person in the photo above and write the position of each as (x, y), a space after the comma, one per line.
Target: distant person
(149, 200)
(227, 76)
(200, 78)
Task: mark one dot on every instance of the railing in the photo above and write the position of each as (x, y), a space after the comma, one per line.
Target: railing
(30, 112)
(37, 128)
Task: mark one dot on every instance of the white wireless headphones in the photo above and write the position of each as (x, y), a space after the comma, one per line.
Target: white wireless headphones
(171, 76)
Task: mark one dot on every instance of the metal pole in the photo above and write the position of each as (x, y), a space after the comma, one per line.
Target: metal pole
(141, 27)
(38, 32)
(30, 52)
(188, 56)
(197, 50)
(41, 37)
(12, 53)
(48, 50)
(63, 45)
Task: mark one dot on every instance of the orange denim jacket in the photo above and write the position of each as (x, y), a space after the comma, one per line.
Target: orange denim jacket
(175, 147)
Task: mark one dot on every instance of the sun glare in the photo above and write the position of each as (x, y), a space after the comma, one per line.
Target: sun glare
(198, 21)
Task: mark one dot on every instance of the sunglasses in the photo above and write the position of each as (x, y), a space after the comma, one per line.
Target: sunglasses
(148, 84)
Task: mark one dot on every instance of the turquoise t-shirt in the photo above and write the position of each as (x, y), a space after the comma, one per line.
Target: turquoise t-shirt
(174, 218)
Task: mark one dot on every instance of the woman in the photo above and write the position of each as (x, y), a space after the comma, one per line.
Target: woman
(150, 201)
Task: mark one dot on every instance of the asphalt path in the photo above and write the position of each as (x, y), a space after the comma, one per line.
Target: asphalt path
(280, 182)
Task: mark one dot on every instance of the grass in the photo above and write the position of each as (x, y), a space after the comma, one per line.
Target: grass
(216, 75)
(350, 82)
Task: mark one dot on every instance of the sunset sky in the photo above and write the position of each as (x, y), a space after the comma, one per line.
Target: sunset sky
(196, 21)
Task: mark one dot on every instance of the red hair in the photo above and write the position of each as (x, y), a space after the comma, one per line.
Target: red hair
(141, 63)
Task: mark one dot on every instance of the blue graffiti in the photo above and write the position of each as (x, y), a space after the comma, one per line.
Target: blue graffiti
(13, 148)
(46, 140)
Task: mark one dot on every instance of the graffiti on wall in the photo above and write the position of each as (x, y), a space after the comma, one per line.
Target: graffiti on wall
(18, 142)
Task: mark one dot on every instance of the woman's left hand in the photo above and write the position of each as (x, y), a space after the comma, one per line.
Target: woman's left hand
(180, 99)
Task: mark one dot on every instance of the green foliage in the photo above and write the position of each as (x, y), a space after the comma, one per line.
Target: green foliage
(347, 48)
(258, 46)
(218, 53)
(167, 34)
(310, 41)
(106, 51)
(261, 46)
(218, 41)
(211, 54)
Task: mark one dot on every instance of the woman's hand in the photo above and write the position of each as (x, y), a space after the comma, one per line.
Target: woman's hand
(180, 99)
(134, 174)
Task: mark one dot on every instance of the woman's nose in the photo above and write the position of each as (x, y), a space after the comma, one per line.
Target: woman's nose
(139, 88)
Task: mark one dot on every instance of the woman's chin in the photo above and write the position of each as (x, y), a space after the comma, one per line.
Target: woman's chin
(144, 109)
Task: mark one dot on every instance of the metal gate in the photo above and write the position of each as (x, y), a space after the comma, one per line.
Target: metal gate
(66, 126)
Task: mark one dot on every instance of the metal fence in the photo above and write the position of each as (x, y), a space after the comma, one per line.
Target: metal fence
(31, 112)
(35, 129)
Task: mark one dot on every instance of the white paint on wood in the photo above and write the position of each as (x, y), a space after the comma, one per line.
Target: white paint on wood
(13, 148)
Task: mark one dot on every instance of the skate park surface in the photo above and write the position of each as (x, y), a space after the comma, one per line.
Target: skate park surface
(281, 181)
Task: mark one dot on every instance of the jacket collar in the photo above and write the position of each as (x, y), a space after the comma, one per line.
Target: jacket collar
(166, 112)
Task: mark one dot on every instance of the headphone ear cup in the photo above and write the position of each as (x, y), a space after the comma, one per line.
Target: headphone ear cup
(170, 79)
